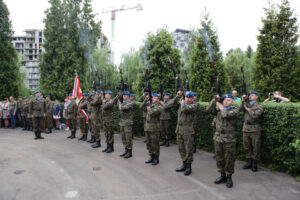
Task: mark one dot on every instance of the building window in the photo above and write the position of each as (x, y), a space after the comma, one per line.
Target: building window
(40, 51)
(40, 33)
(40, 40)
(30, 57)
(30, 45)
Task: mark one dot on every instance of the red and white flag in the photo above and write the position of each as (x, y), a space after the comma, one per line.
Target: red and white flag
(77, 93)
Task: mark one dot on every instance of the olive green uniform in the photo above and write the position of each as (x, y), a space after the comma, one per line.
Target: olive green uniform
(84, 128)
(165, 120)
(24, 114)
(95, 117)
(195, 125)
(252, 130)
(185, 131)
(153, 129)
(71, 116)
(126, 122)
(108, 118)
(49, 110)
(37, 109)
(224, 137)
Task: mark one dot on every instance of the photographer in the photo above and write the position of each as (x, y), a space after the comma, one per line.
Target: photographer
(277, 98)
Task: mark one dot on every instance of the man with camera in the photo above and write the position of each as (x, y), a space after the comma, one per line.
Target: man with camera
(251, 129)
(277, 98)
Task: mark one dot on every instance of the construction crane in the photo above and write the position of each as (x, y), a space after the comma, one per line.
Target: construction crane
(113, 11)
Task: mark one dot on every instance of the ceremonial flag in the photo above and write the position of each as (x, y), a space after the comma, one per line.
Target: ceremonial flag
(77, 93)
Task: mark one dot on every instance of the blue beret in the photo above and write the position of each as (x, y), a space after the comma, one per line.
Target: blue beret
(85, 94)
(25, 97)
(98, 92)
(155, 95)
(47, 95)
(195, 94)
(37, 91)
(132, 95)
(227, 96)
(189, 94)
(167, 94)
(253, 92)
(70, 94)
(90, 93)
(108, 92)
(125, 93)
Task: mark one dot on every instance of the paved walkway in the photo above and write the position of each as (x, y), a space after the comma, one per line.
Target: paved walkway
(58, 168)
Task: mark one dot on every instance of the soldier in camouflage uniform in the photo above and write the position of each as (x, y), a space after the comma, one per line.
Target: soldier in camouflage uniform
(37, 110)
(24, 113)
(145, 101)
(224, 137)
(95, 104)
(153, 129)
(86, 105)
(252, 129)
(71, 116)
(83, 120)
(165, 120)
(108, 120)
(49, 111)
(195, 123)
(126, 122)
(185, 132)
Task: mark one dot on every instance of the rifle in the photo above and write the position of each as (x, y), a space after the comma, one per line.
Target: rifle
(218, 84)
(160, 86)
(244, 88)
(178, 83)
(187, 82)
(148, 85)
(123, 86)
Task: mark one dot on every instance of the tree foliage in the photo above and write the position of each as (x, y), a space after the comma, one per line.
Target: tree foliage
(277, 60)
(202, 78)
(9, 65)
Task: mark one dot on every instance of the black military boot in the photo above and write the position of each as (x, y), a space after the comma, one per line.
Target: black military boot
(31, 128)
(229, 182)
(221, 179)
(104, 150)
(81, 138)
(39, 135)
(110, 148)
(36, 136)
(24, 128)
(248, 165)
(84, 137)
(128, 154)
(70, 135)
(50, 130)
(163, 143)
(155, 160)
(167, 143)
(96, 145)
(182, 168)
(47, 130)
(194, 149)
(73, 135)
(188, 169)
(92, 140)
(125, 152)
(254, 166)
(150, 160)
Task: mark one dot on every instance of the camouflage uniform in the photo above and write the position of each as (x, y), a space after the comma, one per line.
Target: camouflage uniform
(152, 129)
(108, 119)
(95, 117)
(86, 105)
(71, 116)
(83, 124)
(195, 125)
(143, 106)
(49, 110)
(24, 113)
(252, 130)
(165, 120)
(224, 137)
(126, 122)
(185, 131)
(37, 109)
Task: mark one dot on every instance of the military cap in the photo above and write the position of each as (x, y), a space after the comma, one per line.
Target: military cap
(195, 94)
(189, 94)
(25, 97)
(227, 96)
(98, 92)
(132, 95)
(90, 93)
(108, 92)
(85, 94)
(5, 98)
(70, 94)
(47, 95)
(37, 91)
(155, 95)
(125, 93)
(167, 94)
(253, 92)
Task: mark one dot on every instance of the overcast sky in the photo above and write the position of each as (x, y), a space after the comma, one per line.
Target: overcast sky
(237, 21)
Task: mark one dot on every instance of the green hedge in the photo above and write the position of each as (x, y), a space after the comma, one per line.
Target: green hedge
(280, 135)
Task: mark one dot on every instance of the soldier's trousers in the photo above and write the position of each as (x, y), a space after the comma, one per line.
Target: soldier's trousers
(72, 125)
(153, 143)
(109, 132)
(251, 142)
(25, 122)
(185, 146)
(84, 128)
(30, 121)
(126, 132)
(49, 121)
(225, 157)
(195, 134)
(38, 124)
(166, 129)
(90, 125)
(96, 129)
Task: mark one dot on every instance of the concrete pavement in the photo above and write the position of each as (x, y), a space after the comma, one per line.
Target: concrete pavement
(58, 168)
